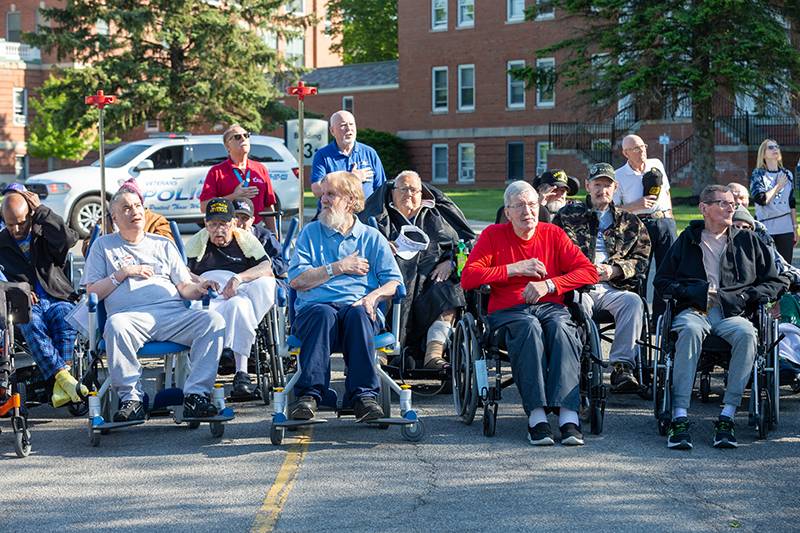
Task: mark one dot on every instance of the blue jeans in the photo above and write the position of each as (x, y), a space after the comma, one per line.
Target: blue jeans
(327, 328)
(49, 337)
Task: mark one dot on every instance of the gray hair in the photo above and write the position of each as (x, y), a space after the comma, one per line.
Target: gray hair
(408, 174)
(710, 191)
(742, 190)
(118, 195)
(516, 188)
(338, 114)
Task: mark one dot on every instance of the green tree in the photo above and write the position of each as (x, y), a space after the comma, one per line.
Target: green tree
(391, 149)
(187, 63)
(660, 50)
(365, 30)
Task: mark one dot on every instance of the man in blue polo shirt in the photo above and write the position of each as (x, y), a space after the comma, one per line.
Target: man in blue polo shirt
(341, 271)
(344, 153)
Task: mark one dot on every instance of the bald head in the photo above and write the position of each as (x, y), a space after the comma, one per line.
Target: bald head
(343, 129)
(635, 151)
(16, 215)
(740, 194)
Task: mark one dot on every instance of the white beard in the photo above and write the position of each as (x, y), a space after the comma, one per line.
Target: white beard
(556, 205)
(336, 220)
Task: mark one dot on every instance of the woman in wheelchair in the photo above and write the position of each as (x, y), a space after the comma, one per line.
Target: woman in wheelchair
(406, 207)
(530, 266)
(715, 274)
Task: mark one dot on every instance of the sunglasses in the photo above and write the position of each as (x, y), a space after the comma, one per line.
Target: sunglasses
(240, 136)
(773, 147)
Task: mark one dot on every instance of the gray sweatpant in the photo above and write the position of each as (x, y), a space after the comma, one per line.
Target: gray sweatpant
(692, 327)
(545, 351)
(126, 332)
(628, 312)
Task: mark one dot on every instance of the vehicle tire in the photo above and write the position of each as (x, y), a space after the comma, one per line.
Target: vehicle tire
(85, 214)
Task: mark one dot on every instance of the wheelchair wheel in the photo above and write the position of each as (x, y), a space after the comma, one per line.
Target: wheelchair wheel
(22, 437)
(465, 388)
(597, 414)
(705, 387)
(413, 432)
(193, 425)
(276, 435)
(489, 419)
(217, 429)
(764, 410)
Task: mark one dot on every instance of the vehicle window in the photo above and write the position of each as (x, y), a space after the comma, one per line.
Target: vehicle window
(206, 155)
(264, 154)
(121, 156)
(167, 158)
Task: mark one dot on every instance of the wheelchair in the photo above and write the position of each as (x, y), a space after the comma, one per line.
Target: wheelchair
(480, 365)
(764, 402)
(411, 426)
(604, 321)
(14, 306)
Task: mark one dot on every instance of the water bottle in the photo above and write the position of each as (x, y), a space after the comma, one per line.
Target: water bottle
(461, 256)
(219, 397)
(94, 405)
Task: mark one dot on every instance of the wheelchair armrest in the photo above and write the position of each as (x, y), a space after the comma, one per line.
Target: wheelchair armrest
(93, 301)
(281, 298)
(399, 294)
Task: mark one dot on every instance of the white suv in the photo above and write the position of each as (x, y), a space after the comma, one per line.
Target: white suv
(170, 171)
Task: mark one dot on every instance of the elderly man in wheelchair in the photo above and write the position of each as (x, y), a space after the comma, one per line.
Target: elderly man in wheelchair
(618, 244)
(143, 280)
(716, 275)
(236, 260)
(530, 266)
(341, 270)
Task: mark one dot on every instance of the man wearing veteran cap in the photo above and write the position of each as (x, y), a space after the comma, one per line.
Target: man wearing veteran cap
(553, 187)
(619, 246)
(235, 259)
(243, 212)
(424, 228)
(342, 269)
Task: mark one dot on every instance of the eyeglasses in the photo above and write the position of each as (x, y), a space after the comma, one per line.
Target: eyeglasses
(773, 147)
(722, 203)
(532, 206)
(240, 136)
(640, 148)
(409, 190)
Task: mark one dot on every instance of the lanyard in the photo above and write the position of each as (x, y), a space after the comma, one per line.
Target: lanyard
(238, 175)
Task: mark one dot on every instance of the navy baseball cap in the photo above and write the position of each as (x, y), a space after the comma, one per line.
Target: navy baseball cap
(243, 206)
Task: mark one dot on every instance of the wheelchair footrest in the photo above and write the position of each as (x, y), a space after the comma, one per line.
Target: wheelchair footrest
(298, 423)
(391, 421)
(226, 415)
(109, 426)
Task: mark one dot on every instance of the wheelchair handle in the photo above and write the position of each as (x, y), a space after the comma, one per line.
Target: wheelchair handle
(399, 294)
(93, 301)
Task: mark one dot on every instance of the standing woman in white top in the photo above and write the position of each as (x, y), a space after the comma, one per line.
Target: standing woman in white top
(772, 190)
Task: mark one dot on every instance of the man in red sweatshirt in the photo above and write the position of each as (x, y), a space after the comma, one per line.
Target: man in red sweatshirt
(530, 266)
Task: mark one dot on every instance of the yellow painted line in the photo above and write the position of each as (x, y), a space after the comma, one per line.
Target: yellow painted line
(267, 516)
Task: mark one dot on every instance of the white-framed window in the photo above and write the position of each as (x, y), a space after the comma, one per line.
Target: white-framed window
(546, 88)
(466, 163)
(542, 147)
(21, 167)
(20, 99)
(39, 20)
(515, 161)
(296, 51)
(466, 14)
(151, 126)
(515, 92)
(347, 103)
(466, 87)
(515, 10)
(439, 163)
(439, 92)
(14, 27)
(296, 7)
(439, 15)
(545, 10)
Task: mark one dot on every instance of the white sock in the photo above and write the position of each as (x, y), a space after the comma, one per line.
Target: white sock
(679, 412)
(241, 362)
(537, 416)
(565, 416)
(729, 411)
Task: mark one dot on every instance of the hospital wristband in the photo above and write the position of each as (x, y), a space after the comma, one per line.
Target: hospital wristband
(329, 269)
(114, 281)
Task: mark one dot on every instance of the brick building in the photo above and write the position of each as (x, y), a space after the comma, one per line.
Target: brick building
(23, 69)
(468, 123)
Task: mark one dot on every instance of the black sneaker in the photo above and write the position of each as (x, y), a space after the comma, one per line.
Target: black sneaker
(227, 363)
(571, 435)
(541, 434)
(723, 433)
(198, 406)
(130, 411)
(242, 386)
(678, 436)
(622, 379)
(303, 408)
(366, 408)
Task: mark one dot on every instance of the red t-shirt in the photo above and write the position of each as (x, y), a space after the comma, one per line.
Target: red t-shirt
(221, 181)
(499, 246)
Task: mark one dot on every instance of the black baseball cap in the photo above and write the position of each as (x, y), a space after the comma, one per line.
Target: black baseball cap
(243, 206)
(219, 209)
(601, 170)
(557, 178)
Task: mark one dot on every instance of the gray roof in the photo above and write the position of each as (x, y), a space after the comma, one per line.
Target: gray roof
(355, 75)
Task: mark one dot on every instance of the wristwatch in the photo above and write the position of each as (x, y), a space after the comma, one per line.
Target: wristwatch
(329, 269)
(551, 287)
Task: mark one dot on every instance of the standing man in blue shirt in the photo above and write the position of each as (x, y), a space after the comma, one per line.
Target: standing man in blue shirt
(341, 271)
(344, 153)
